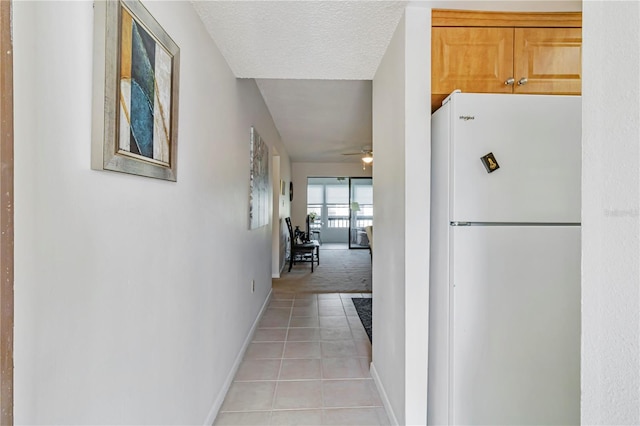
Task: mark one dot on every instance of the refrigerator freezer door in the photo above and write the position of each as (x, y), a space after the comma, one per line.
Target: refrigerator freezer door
(536, 147)
(515, 351)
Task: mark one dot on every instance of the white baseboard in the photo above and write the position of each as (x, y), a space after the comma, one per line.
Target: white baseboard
(383, 395)
(279, 273)
(217, 403)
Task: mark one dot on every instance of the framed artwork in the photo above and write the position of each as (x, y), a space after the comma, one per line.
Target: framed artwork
(282, 187)
(259, 188)
(135, 98)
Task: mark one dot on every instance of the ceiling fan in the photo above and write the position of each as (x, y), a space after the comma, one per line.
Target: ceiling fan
(366, 153)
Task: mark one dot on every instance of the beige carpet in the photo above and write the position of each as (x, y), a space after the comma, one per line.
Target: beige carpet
(340, 271)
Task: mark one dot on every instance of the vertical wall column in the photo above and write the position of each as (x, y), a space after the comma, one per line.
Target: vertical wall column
(6, 215)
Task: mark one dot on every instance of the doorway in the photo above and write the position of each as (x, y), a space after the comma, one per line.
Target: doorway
(339, 209)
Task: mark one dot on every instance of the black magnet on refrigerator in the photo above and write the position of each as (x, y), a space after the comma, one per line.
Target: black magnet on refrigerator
(490, 163)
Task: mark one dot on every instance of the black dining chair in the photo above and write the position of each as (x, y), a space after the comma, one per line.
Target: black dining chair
(303, 250)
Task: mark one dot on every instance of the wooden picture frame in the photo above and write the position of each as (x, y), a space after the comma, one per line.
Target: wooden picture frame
(136, 88)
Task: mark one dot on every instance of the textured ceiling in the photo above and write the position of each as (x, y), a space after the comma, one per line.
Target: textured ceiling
(320, 119)
(335, 40)
(311, 60)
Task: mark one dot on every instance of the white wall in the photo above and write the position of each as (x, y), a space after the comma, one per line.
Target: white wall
(301, 171)
(418, 209)
(610, 213)
(388, 366)
(401, 132)
(132, 295)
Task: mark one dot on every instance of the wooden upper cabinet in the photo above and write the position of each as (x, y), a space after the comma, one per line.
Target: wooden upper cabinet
(471, 59)
(550, 59)
(481, 51)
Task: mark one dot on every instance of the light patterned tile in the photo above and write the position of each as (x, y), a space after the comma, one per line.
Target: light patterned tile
(345, 368)
(338, 349)
(300, 369)
(349, 393)
(304, 303)
(302, 350)
(313, 354)
(249, 396)
(377, 401)
(306, 296)
(259, 350)
(354, 321)
(281, 304)
(271, 321)
(351, 311)
(296, 418)
(329, 296)
(258, 369)
(270, 335)
(304, 322)
(359, 334)
(302, 394)
(382, 416)
(341, 333)
(348, 296)
(363, 348)
(331, 311)
(282, 295)
(330, 303)
(305, 311)
(254, 418)
(306, 334)
(353, 416)
(277, 312)
(334, 322)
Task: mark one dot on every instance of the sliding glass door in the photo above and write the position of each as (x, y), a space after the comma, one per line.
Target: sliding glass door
(361, 211)
(340, 208)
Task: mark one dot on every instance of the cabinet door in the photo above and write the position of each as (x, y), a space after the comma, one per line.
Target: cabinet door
(550, 59)
(471, 59)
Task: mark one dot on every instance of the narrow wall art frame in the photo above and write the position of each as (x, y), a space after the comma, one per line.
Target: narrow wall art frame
(135, 92)
(259, 188)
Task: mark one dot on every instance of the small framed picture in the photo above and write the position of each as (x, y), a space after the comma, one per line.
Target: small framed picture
(135, 98)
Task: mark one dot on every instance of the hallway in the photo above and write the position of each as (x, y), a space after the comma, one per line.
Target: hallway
(308, 364)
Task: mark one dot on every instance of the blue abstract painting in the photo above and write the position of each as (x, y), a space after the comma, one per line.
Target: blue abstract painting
(145, 94)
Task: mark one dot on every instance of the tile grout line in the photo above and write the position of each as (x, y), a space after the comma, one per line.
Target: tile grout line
(322, 397)
(284, 348)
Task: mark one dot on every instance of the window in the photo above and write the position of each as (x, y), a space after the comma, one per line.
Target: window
(332, 200)
(363, 195)
(315, 201)
(337, 202)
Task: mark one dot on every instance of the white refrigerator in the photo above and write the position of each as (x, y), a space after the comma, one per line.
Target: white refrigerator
(504, 308)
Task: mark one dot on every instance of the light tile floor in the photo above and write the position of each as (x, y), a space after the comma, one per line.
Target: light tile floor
(308, 364)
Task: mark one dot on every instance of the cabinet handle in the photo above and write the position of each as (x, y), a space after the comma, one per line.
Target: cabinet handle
(509, 81)
(522, 81)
